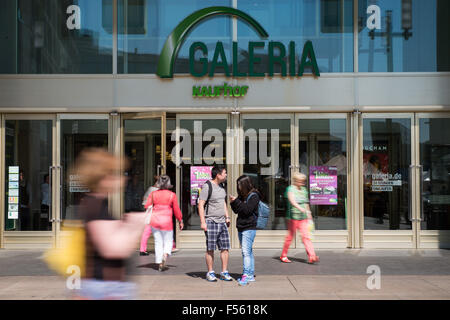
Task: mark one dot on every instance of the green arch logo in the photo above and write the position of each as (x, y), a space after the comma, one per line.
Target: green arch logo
(176, 38)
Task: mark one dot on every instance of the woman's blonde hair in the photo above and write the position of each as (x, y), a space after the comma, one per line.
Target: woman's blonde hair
(298, 176)
(94, 164)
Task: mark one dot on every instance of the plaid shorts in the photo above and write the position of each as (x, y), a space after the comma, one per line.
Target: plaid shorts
(217, 235)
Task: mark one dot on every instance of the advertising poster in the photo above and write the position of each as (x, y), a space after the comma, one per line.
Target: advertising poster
(13, 192)
(199, 175)
(13, 215)
(323, 185)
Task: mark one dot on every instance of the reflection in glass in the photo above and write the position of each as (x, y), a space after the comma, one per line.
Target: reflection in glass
(144, 26)
(267, 163)
(203, 143)
(328, 24)
(435, 159)
(28, 156)
(386, 158)
(76, 135)
(143, 150)
(413, 36)
(323, 143)
(36, 37)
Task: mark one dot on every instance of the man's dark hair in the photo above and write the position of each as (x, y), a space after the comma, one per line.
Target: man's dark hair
(217, 169)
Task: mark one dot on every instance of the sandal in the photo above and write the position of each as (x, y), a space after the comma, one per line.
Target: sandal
(285, 260)
(312, 260)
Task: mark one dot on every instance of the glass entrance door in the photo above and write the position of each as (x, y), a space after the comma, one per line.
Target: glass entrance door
(76, 133)
(322, 156)
(201, 142)
(388, 184)
(433, 174)
(268, 153)
(144, 146)
(29, 193)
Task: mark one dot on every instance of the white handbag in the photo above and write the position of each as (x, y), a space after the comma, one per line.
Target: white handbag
(148, 213)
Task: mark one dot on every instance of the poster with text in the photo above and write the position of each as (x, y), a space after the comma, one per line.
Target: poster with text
(323, 185)
(199, 175)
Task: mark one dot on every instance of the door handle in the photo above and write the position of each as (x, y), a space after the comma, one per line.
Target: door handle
(180, 167)
(421, 191)
(411, 172)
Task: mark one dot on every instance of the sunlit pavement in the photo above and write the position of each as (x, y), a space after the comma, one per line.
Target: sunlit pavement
(341, 274)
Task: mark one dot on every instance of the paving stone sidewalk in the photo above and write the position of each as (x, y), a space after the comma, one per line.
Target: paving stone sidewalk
(341, 274)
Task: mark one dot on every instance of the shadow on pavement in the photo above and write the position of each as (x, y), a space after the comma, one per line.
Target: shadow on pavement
(292, 259)
(154, 266)
(202, 275)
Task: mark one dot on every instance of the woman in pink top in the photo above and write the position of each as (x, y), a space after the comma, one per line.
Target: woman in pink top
(165, 204)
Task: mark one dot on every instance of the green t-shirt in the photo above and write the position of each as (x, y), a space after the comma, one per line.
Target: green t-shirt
(302, 198)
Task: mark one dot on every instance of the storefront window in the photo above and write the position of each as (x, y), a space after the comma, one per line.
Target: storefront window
(435, 161)
(327, 24)
(28, 157)
(386, 158)
(40, 37)
(268, 163)
(144, 26)
(404, 36)
(323, 149)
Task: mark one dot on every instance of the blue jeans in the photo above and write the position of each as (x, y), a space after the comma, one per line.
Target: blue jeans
(246, 239)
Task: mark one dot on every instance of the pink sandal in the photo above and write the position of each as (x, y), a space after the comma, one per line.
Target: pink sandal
(285, 260)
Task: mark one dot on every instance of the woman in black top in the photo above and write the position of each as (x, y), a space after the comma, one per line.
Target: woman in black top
(246, 207)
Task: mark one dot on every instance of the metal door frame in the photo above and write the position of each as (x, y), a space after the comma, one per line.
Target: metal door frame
(59, 233)
(196, 238)
(268, 238)
(389, 239)
(330, 238)
(431, 236)
(28, 239)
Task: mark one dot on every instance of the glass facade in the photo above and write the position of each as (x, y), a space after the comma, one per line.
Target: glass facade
(328, 24)
(144, 26)
(55, 36)
(406, 36)
(76, 37)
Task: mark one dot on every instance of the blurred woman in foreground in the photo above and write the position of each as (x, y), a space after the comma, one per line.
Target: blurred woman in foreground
(108, 241)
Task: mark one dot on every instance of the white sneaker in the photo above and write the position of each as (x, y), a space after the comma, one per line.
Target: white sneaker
(211, 276)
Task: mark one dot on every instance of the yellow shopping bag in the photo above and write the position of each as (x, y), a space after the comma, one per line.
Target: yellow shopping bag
(71, 252)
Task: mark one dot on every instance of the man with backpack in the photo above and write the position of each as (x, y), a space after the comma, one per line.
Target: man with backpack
(214, 219)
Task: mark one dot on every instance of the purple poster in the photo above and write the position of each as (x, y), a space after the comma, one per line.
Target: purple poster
(199, 175)
(323, 185)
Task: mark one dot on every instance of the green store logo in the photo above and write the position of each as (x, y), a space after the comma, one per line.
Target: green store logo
(176, 38)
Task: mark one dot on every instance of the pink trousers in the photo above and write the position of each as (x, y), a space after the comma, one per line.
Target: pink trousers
(293, 226)
(145, 235)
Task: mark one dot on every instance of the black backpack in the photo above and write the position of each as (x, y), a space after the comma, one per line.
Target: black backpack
(210, 190)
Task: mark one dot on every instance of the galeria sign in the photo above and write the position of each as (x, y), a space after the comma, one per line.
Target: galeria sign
(179, 34)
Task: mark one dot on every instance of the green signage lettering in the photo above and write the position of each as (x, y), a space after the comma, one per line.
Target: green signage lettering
(219, 52)
(204, 61)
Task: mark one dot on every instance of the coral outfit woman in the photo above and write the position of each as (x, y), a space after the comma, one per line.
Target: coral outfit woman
(298, 213)
(165, 204)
